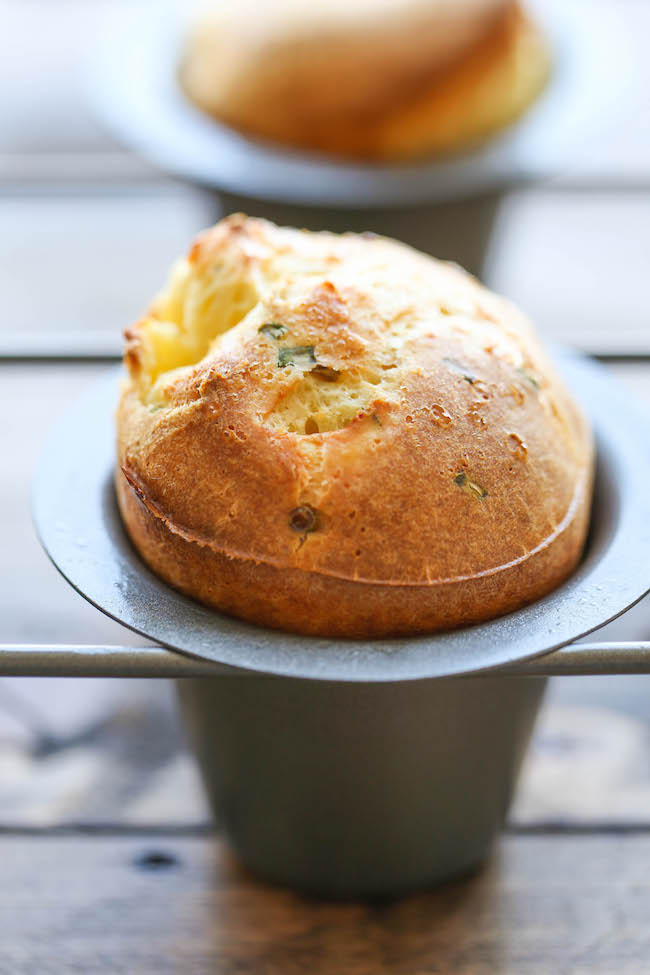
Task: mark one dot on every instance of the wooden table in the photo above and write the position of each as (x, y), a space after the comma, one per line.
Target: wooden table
(108, 860)
(179, 904)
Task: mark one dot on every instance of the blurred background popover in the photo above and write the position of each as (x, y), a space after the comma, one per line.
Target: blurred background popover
(342, 436)
(379, 79)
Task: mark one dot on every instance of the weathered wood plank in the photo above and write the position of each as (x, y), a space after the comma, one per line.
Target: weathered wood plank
(171, 905)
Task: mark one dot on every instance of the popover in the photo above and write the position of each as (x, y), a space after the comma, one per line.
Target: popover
(375, 80)
(338, 435)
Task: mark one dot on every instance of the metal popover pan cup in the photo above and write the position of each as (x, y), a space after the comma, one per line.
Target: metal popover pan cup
(337, 766)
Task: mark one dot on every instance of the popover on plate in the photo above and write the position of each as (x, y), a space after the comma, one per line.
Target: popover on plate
(338, 435)
(375, 80)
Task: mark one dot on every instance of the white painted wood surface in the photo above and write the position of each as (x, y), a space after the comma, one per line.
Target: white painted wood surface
(578, 263)
(91, 261)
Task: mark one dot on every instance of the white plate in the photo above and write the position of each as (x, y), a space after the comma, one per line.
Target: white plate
(133, 84)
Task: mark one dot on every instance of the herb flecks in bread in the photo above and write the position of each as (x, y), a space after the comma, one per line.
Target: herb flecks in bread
(470, 487)
(343, 436)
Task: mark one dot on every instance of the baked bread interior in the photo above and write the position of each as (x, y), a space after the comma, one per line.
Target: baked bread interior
(339, 435)
(375, 79)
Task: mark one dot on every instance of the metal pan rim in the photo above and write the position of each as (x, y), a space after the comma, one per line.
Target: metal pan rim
(76, 517)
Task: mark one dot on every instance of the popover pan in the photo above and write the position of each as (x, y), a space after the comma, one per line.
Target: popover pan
(78, 522)
(337, 766)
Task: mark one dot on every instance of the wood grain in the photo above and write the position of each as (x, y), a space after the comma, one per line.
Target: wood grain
(181, 906)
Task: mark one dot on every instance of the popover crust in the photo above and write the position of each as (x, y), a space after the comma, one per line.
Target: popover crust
(377, 80)
(338, 435)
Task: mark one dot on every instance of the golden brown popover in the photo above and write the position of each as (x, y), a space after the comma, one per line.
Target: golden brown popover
(339, 435)
(378, 79)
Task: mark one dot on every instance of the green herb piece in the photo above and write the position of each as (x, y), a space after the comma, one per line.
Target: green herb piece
(376, 419)
(303, 519)
(462, 370)
(274, 330)
(534, 382)
(301, 356)
(470, 487)
(325, 373)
